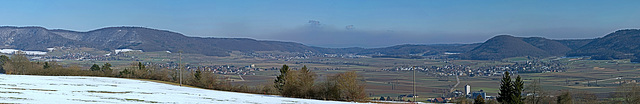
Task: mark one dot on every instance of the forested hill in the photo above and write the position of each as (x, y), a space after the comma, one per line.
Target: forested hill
(506, 46)
(621, 44)
(146, 39)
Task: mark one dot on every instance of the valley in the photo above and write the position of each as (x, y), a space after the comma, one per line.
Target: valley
(387, 71)
(391, 77)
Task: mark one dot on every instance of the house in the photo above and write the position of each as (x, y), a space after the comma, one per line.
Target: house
(439, 100)
(479, 93)
(401, 97)
(412, 96)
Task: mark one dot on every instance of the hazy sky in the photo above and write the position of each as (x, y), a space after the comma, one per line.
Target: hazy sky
(336, 23)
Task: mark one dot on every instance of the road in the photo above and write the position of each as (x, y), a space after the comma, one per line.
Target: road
(454, 86)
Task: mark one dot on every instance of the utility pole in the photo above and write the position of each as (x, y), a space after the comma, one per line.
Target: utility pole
(180, 65)
(414, 83)
(394, 84)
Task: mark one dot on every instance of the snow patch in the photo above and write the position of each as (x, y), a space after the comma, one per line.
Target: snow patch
(13, 51)
(126, 50)
(51, 49)
(82, 89)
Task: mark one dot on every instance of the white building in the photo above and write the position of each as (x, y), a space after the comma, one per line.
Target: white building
(467, 89)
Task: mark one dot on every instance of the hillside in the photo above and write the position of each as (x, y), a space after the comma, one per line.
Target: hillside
(552, 47)
(575, 43)
(34, 38)
(621, 44)
(146, 39)
(504, 46)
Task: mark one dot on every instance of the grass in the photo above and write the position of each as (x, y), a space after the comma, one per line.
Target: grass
(109, 92)
(138, 100)
(43, 90)
(13, 85)
(165, 82)
(84, 100)
(131, 100)
(16, 88)
(15, 98)
(176, 84)
(516, 59)
(10, 92)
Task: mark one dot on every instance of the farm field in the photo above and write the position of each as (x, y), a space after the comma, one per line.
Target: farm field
(581, 76)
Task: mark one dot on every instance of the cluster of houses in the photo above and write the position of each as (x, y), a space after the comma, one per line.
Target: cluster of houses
(300, 55)
(218, 69)
(281, 56)
(408, 98)
(497, 70)
(625, 81)
(468, 93)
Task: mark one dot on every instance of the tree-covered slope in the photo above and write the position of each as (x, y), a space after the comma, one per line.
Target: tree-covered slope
(621, 44)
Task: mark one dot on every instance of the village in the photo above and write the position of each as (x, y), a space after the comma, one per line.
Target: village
(497, 70)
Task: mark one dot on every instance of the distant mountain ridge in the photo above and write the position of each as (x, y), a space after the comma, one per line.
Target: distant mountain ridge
(147, 39)
(38, 38)
(503, 46)
(621, 44)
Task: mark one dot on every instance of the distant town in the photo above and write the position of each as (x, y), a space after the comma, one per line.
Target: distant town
(497, 70)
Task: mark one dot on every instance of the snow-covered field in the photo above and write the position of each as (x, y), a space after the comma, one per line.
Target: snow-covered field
(80, 89)
(12, 51)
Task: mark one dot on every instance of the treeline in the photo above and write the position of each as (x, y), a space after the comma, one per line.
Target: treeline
(302, 84)
(628, 93)
(20, 65)
(636, 58)
(291, 83)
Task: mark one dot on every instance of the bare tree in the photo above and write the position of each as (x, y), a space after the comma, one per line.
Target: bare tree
(19, 64)
(584, 97)
(534, 93)
(564, 98)
(353, 88)
(628, 93)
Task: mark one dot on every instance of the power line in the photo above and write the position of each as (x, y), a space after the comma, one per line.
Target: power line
(180, 65)
(414, 84)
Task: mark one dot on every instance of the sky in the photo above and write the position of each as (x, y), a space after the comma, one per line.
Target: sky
(337, 23)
